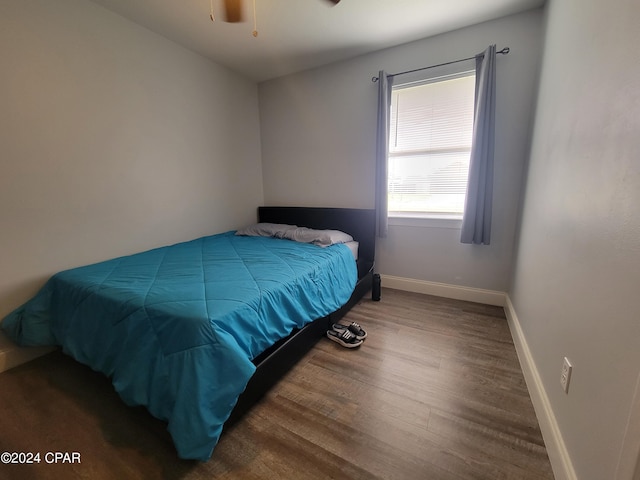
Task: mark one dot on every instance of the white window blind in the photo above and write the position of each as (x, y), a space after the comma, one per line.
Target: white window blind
(429, 146)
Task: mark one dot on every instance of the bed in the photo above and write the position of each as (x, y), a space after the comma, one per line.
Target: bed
(197, 332)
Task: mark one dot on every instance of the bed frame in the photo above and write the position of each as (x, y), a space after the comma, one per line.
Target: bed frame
(272, 364)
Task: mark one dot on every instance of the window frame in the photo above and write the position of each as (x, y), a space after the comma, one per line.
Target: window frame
(424, 218)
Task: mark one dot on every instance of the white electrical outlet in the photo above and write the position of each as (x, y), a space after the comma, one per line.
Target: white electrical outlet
(565, 374)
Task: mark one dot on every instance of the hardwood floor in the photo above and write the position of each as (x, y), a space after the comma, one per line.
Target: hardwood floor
(435, 392)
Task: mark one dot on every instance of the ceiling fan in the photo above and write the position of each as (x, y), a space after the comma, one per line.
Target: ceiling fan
(233, 10)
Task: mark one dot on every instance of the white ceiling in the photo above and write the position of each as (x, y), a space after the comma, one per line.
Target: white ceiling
(295, 35)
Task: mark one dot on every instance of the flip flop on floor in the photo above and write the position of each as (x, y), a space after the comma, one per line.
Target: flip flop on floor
(344, 338)
(354, 328)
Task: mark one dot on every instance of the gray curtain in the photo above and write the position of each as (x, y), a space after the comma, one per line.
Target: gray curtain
(385, 82)
(476, 222)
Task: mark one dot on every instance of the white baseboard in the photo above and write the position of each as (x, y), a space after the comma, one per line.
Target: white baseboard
(12, 355)
(556, 449)
(488, 297)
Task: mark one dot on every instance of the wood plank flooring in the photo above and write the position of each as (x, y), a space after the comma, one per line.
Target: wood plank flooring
(435, 392)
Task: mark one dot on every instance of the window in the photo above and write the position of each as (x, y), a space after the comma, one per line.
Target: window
(431, 126)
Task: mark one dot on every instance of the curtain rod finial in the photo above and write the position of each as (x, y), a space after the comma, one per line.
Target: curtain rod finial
(504, 51)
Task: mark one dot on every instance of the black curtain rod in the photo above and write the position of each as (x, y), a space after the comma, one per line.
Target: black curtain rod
(504, 51)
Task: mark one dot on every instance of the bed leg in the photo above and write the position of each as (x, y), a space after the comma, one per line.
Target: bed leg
(375, 288)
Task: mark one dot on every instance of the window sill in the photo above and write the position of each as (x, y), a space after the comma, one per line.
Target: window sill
(425, 220)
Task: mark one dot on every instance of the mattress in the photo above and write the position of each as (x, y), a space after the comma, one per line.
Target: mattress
(176, 328)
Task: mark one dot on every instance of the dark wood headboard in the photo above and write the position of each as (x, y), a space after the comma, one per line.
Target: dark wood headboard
(359, 223)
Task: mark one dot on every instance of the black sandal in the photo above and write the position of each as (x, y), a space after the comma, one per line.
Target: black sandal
(354, 328)
(344, 338)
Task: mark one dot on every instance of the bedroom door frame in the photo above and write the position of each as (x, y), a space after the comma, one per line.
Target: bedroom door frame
(629, 461)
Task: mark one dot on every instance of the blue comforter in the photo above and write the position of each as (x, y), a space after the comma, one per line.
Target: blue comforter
(176, 328)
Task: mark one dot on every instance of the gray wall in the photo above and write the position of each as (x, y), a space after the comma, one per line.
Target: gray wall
(318, 147)
(113, 140)
(577, 276)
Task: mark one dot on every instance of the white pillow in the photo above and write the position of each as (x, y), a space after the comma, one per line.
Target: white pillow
(322, 238)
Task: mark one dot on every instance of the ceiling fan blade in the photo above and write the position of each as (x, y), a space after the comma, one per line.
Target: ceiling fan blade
(233, 11)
